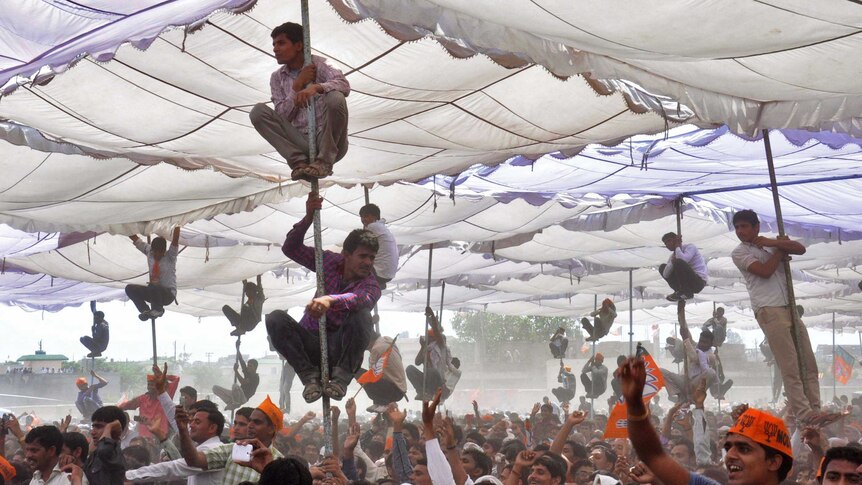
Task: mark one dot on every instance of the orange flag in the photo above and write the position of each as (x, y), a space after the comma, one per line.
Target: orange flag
(617, 426)
(375, 373)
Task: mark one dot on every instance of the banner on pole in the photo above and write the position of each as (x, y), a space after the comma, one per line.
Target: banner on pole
(842, 366)
(617, 426)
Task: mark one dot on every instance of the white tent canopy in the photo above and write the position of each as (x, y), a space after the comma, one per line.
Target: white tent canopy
(538, 193)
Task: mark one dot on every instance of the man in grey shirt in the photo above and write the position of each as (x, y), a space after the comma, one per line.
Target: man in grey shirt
(594, 376)
(162, 269)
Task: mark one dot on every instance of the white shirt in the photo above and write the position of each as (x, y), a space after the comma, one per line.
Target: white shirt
(57, 477)
(386, 261)
(179, 469)
(167, 265)
(763, 292)
(691, 255)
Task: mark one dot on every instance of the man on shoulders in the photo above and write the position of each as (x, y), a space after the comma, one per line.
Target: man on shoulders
(685, 270)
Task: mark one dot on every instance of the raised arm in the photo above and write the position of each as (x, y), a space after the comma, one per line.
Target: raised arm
(193, 457)
(641, 433)
(571, 421)
(294, 246)
(175, 237)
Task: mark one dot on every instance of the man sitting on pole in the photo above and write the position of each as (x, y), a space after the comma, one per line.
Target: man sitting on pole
(98, 342)
(594, 376)
(435, 359)
(386, 262)
(685, 270)
(162, 286)
(293, 87)
(350, 292)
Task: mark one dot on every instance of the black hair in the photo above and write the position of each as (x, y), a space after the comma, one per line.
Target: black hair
(542, 447)
(46, 437)
(107, 414)
(411, 429)
(510, 449)
(244, 412)
(476, 437)
(668, 236)
(746, 215)
(159, 244)
(253, 361)
(191, 391)
(203, 405)
(456, 362)
(706, 333)
(579, 450)
(555, 464)
(422, 461)
(786, 461)
(495, 443)
(214, 417)
(620, 360)
(685, 442)
(77, 441)
(360, 237)
(482, 461)
(23, 474)
(609, 453)
(291, 30)
(285, 471)
(853, 454)
(370, 210)
(139, 453)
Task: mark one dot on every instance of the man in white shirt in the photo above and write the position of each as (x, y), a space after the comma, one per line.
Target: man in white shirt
(685, 270)
(386, 262)
(678, 387)
(205, 427)
(42, 448)
(760, 260)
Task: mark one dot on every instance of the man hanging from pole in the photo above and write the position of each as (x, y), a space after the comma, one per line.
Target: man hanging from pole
(162, 287)
(385, 381)
(442, 370)
(98, 342)
(250, 310)
(246, 382)
(760, 259)
(351, 290)
(293, 88)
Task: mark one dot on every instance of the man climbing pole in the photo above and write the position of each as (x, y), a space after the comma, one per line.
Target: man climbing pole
(594, 376)
(162, 286)
(351, 290)
(440, 370)
(250, 310)
(386, 262)
(760, 259)
(559, 344)
(293, 88)
(679, 387)
(88, 400)
(98, 342)
(245, 386)
(603, 319)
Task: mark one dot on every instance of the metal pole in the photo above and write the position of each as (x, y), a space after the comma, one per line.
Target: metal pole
(631, 313)
(367, 197)
(593, 399)
(834, 392)
(153, 323)
(791, 297)
(318, 240)
(442, 295)
(427, 323)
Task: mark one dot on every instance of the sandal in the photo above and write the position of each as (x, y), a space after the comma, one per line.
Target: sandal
(312, 391)
(335, 390)
(316, 169)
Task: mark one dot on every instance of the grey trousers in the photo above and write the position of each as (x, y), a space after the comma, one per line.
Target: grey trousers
(292, 144)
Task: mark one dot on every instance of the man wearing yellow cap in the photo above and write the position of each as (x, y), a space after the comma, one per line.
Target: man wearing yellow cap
(757, 447)
(266, 420)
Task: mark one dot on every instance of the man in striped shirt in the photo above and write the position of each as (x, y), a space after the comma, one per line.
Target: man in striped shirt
(350, 292)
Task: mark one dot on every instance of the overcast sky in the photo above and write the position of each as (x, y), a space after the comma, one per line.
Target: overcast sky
(131, 338)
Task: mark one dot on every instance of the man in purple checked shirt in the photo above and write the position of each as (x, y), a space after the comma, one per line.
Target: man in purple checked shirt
(351, 290)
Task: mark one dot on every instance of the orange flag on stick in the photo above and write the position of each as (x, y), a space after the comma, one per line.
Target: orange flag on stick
(617, 426)
(375, 373)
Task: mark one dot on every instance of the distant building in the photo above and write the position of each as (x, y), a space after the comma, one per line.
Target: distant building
(42, 362)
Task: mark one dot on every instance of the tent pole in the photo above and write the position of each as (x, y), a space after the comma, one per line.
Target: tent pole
(376, 317)
(427, 324)
(681, 308)
(791, 297)
(153, 324)
(367, 196)
(442, 296)
(631, 313)
(834, 392)
(318, 240)
(593, 399)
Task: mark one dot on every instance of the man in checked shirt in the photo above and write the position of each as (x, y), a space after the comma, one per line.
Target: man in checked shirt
(293, 87)
(351, 290)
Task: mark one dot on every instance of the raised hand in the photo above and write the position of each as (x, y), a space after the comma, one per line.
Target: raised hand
(641, 474)
(576, 418)
(396, 416)
(155, 427)
(525, 460)
(160, 378)
(350, 442)
(429, 409)
(64, 425)
(446, 431)
(698, 395)
(633, 379)
(182, 418)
